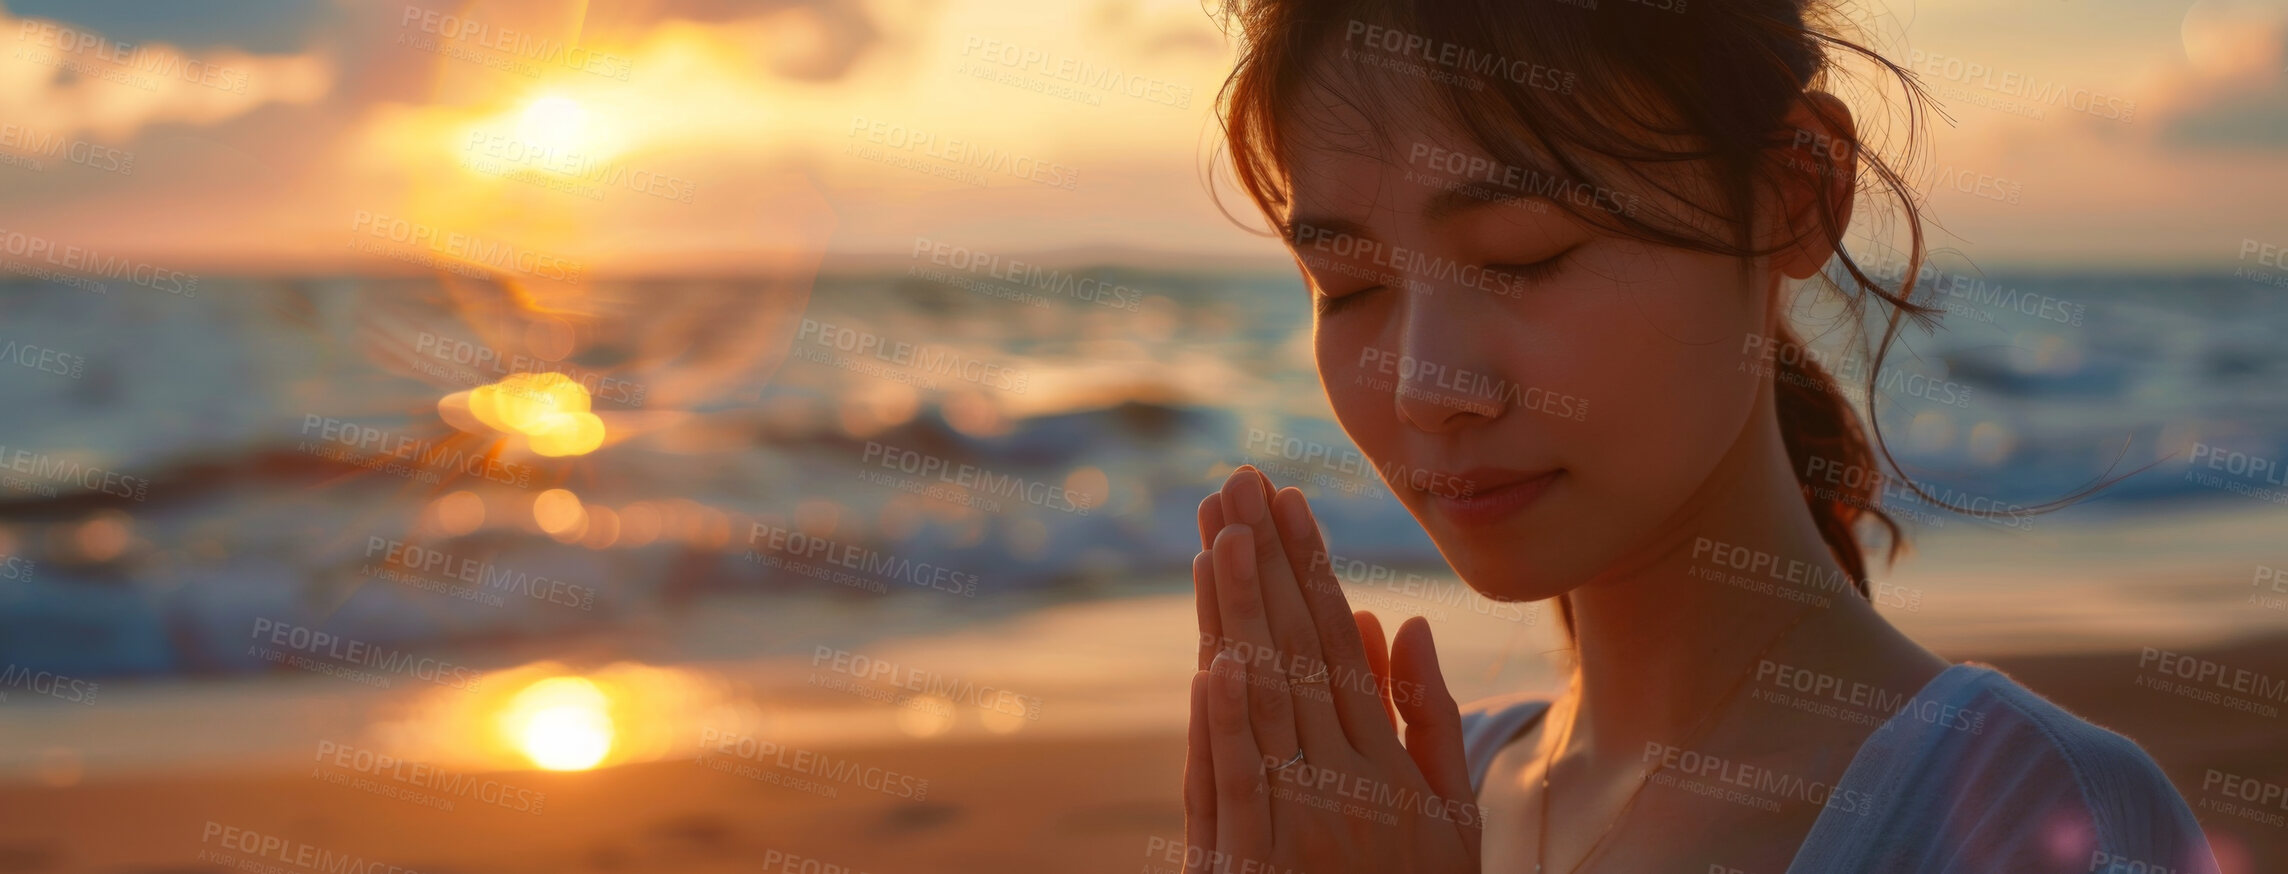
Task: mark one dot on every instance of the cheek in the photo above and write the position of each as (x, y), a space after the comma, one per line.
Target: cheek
(1359, 385)
(1663, 369)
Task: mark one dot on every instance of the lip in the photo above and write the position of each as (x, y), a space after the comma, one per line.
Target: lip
(1498, 494)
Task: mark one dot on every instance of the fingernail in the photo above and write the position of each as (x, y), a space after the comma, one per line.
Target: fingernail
(1230, 674)
(1251, 504)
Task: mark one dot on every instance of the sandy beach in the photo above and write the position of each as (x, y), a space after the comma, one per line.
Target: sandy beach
(1097, 800)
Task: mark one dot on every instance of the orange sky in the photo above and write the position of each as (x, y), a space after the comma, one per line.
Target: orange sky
(679, 137)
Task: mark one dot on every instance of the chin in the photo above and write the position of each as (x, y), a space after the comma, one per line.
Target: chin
(1517, 578)
(1513, 565)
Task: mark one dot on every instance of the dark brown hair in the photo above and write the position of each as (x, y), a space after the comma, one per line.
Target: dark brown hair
(1598, 97)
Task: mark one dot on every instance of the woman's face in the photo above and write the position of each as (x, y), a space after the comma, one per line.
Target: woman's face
(1545, 398)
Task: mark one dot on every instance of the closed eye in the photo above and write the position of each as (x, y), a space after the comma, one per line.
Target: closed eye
(1517, 274)
(1536, 271)
(1329, 304)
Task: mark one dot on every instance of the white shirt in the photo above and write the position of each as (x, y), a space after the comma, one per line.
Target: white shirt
(1974, 774)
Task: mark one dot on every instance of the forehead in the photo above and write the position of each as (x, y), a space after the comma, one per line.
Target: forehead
(1345, 137)
(1359, 143)
(1368, 147)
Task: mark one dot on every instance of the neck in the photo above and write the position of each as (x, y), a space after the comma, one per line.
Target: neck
(1672, 636)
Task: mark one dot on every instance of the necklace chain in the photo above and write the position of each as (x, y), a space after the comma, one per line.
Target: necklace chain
(1707, 721)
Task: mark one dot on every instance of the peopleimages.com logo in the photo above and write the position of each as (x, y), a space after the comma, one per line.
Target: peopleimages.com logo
(423, 240)
(42, 467)
(1040, 493)
(49, 683)
(84, 261)
(158, 59)
(358, 661)
(262, 848)
(476, 572)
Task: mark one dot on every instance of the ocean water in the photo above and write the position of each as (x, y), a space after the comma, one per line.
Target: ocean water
(185, 475)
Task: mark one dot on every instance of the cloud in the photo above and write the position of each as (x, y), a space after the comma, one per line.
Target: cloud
(815, 40)
(61, 80)
(809, 42)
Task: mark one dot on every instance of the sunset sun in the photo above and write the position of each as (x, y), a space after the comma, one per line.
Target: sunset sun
(554, 122)
(561, 723)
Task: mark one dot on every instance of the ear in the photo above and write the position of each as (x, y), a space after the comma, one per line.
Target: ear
(1815, 175)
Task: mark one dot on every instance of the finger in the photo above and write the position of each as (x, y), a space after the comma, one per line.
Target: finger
(1361, 703)
(1242, 809)
(1434, 725)
(1246, 497)
(1377, 659)
(1199, 781)
(1211, 518)
(1204, 602)
(1203, 579)
(1271, 709)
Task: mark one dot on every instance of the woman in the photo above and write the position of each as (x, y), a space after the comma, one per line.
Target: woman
(1548, 245)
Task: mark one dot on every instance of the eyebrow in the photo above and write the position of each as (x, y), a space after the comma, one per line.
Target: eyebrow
(1443, 205)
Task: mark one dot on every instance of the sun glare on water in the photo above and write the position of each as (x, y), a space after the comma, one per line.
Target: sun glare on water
(549, 411)
(561, 723)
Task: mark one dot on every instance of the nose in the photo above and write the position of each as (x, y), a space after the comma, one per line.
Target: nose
(1440, 387)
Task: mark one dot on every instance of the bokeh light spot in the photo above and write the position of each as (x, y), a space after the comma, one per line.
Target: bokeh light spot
(558, 511)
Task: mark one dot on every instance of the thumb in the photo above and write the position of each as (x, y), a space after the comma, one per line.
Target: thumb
(1434, 726)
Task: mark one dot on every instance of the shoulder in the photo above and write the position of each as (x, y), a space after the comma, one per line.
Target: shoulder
(2005, 777)
(1489, 724)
